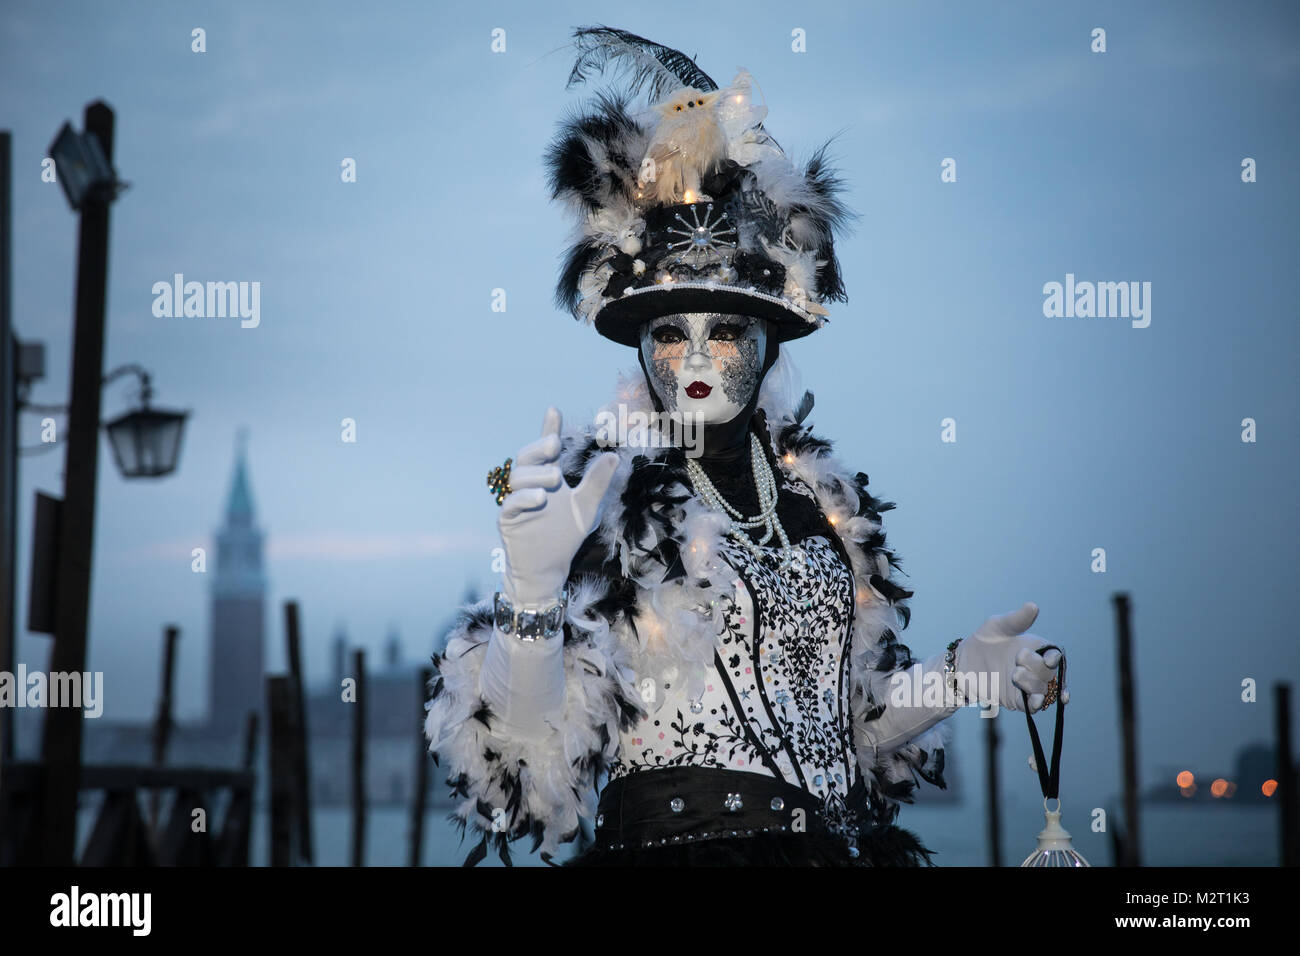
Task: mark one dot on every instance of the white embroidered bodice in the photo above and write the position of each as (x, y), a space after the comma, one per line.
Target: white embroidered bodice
(777, 695)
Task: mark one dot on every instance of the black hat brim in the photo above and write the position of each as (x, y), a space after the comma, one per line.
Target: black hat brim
(621, 319)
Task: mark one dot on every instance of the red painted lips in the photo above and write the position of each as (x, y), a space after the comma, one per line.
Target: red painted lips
(698, 390)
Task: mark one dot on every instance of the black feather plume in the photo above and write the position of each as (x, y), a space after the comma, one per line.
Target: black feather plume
(830, 216)
(574, 170)
(578, 259)
(644, 62)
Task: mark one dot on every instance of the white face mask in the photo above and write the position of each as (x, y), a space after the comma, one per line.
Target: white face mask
(705, 364)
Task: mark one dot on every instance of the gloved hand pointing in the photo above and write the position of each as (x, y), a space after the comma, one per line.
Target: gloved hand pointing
(543, 521)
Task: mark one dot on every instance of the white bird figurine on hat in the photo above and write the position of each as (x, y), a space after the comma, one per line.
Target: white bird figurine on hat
(688, 143)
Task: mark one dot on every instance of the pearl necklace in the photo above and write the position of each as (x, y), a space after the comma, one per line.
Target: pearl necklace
(765, 484)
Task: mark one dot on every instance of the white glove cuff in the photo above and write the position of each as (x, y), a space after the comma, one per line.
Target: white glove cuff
(523, 684)
(919, 711)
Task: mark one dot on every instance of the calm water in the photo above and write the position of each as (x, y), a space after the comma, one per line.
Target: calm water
(1173, 835)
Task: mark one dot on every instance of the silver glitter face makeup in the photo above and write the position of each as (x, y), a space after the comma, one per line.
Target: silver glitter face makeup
(707, 363)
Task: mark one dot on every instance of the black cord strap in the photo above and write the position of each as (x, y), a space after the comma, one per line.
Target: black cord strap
(1049, 782)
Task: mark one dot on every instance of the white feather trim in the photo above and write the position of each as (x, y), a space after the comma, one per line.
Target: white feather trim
(520, 783)
(613, 223)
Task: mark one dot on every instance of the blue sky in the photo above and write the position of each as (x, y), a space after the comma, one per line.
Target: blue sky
(1073, 434)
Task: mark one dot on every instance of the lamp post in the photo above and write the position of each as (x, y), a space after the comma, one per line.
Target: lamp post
(146, 441)
(8, 456)
(90, 186)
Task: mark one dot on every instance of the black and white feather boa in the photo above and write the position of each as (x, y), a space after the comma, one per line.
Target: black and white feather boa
(650, 609)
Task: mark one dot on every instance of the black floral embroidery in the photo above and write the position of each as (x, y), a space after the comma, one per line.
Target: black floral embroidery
(697, 743)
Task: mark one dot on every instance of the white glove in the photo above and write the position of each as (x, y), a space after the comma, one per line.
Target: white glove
(523, 684)
(913, 714)
(1001, 647)
(543, 522)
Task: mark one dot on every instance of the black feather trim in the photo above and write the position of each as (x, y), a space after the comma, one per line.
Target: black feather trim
(483, 714)
(892, 846)
(900, 790)
(473, 616)
(477, 854)
(893, 655)
(651, 502)
(804, 408)
(889, 589)
(459, 785)
(935, 776)
(799, 440)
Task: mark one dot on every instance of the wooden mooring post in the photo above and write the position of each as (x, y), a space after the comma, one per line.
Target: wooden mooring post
(279, 709)
(1288, 798)
(994, 816)
(237, 828)
(302, 766)
(420, 799)
(163, 723)
(1132, 855)
(359, 759)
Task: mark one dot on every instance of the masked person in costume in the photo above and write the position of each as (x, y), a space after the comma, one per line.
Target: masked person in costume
(695, 646)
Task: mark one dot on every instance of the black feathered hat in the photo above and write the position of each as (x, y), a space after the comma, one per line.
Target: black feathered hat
(688, 205)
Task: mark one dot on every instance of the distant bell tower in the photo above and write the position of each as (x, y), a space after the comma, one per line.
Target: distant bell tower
(236, 651)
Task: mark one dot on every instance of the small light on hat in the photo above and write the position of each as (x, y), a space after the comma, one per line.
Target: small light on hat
(789, 458)
(689, 197)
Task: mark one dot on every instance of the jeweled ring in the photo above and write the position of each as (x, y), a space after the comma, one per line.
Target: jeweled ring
(498, 481)
(1053, 690)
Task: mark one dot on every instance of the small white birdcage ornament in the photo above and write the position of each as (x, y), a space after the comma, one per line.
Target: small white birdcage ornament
(1054, 847)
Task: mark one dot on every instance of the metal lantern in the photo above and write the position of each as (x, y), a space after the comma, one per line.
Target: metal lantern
(81, 166)
(1054, 847)
(146, 442)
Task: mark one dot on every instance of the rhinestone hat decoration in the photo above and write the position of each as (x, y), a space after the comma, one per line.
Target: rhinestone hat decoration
(703, 243)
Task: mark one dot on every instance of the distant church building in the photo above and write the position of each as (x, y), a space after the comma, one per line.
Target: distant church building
(237, 643)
